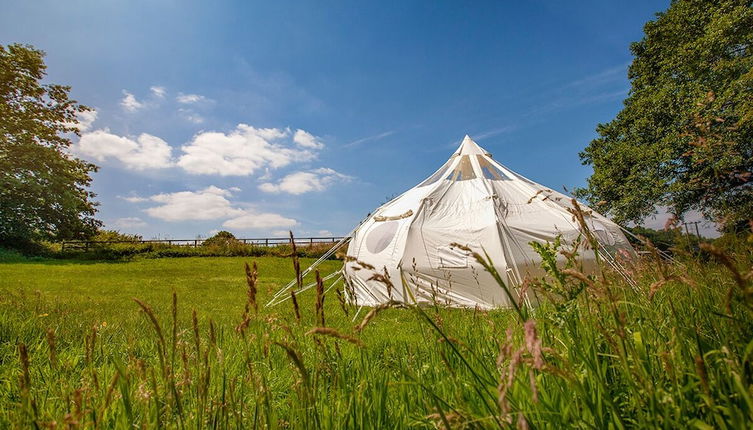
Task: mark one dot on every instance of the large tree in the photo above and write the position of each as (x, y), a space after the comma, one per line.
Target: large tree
(43, 189)
(684, 138)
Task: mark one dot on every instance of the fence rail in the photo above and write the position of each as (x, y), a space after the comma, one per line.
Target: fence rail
(264, 241)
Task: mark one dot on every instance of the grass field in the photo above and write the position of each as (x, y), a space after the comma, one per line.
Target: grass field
(77, 351)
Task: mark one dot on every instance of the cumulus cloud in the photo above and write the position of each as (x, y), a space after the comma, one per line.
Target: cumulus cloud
(324, 233)
(253, 220)
(158, 91)
(307, 140)
(129, 102)
(206, 204)
(86, 119)
(213, 203)
(189, 98)
(144, 152)
(129, 222)
(242, 151)
(134, 199)
(304, 182)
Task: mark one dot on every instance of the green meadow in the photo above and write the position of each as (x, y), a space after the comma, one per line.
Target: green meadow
(77, 351)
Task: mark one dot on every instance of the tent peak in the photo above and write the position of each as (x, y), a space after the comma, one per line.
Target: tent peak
(468, 146)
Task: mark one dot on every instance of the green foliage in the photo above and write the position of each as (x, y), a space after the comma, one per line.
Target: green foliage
(684, 138)
(134, 249)
(668, 353)
(114, 235)
(221, 239)
(43, 189)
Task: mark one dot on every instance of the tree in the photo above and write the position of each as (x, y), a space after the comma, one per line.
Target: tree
(222, 239)
(684, 138)
(43, 189)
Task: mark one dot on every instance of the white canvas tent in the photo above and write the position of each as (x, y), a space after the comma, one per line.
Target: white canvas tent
(474, 201)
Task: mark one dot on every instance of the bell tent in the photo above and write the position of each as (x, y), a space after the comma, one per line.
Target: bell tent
(478, 203)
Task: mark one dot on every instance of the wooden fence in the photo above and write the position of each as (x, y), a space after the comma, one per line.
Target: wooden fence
(85, 245)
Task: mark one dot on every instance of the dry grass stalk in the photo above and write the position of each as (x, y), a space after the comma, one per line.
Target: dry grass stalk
(319, 300)
(296, 309)
(196, 337)
(700, 368)
(241, 328)
(295, 357)
(212, 334)
(23, 356)
(385, 279)
(90, 342)
(326, 331)
(522, 422)
(53, 347)
(372, 313)
(252, 277)
(341, 299)
(363, 264)
(296, 263)
(579, 276)
(153, 319)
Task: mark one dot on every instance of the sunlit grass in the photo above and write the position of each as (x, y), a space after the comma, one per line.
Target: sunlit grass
(667, 354)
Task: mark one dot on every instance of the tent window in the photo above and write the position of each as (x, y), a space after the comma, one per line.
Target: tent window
(379, 238)
(489, 170)
(463, 171)
(439, 174)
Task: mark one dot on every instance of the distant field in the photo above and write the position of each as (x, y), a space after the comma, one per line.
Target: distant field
(76, 350)
(102, 291)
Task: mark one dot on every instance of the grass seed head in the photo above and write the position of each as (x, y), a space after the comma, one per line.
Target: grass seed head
(326, 331)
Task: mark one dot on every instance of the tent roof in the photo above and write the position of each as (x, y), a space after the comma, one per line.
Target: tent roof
(469, 147)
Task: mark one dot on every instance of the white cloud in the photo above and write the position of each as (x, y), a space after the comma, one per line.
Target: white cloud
(241, 152)
(158, 91)
(281, 233)
(144, 152)
(253, 220)
(303, 182)
(129, 222)
(130, 103)
(86, 119)
(209, 203)
(189, 98)
(324, 233)
(191, 116)
(134, 199)
(307, 140)
(212, 203)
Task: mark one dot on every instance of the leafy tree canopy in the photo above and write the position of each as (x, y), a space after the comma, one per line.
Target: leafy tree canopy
(221, 238)
(684, 138)
(43, 189)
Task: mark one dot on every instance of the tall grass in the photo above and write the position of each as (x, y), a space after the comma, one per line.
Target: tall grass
(675, 351)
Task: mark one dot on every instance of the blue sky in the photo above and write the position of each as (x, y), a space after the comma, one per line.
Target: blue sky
(259, 117)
